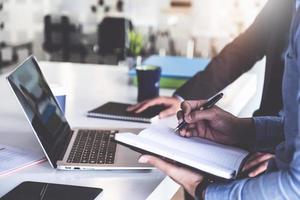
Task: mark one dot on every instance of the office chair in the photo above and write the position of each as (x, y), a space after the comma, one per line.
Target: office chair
(63, 37)
(113, 37)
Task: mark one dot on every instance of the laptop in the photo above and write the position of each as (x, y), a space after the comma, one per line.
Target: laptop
(66, 148)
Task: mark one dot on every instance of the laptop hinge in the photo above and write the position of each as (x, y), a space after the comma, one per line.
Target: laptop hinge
(66, 144)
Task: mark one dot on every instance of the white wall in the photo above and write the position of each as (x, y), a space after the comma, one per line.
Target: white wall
(211, 22)
(23, 19)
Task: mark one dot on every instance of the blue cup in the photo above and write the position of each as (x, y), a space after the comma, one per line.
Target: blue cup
(61, 100)
(148, 78)
(60, 96)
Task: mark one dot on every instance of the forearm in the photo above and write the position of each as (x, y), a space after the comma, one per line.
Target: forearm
(268, 131)
(259, 132)
(275, 185)
(235, 59)
(245, 129)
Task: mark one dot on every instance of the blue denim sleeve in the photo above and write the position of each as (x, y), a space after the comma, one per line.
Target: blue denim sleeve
(283, 184)
(269, 131)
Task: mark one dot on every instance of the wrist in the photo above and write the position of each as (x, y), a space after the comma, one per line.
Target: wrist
(246, 131)
(179, 98)
(200, 189)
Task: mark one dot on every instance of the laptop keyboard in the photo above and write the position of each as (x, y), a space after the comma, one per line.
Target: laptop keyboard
(94, 147)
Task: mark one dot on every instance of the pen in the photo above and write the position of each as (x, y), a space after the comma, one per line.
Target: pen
(210, 103)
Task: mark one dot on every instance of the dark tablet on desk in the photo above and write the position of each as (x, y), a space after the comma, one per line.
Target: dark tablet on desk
(49, 191)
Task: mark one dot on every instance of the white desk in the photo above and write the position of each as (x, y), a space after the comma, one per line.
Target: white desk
(87, 86)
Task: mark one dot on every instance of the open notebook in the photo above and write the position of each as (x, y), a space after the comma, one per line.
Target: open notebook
(213, 158)
(14, 159)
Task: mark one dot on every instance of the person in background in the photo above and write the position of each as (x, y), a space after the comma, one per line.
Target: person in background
(267, 36)
(282, 179)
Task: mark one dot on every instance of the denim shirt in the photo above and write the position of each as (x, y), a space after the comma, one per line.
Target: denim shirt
(282, 181)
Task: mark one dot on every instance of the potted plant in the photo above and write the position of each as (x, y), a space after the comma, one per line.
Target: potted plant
(135, 48)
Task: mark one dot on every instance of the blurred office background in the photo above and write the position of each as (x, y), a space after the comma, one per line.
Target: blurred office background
(117, 31)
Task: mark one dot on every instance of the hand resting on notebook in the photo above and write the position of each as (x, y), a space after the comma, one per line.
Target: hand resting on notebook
(217, 125)
(190, 179)
(172, 105)
(187, 178)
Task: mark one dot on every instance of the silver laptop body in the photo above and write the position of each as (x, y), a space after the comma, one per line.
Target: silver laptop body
(54, 133)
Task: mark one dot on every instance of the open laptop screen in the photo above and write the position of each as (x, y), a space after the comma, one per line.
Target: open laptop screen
(41, 108)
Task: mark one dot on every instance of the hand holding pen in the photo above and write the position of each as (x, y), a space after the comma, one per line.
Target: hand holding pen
(210, 103)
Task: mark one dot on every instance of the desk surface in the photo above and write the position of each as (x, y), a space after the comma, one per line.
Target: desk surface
(89, 86)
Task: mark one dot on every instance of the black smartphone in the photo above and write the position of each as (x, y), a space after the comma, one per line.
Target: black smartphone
(49, 191)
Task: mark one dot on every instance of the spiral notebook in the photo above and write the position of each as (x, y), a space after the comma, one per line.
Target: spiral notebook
(117, 111)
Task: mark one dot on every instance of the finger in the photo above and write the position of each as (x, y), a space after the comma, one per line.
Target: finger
(186, 126)
(183, 176)
(180, 115)
(250, 159)
(188, 130)
(189, 106)
(185, 132)
(164, 166)
(256, 161)
(196, 116)
(191, 126)
(166, 113)
(260, 169)
(182, 132)
(152, 102)
(192, 132)
(136, 106)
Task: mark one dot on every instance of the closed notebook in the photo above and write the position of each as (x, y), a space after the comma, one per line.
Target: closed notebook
(210, 157)
(117, 111)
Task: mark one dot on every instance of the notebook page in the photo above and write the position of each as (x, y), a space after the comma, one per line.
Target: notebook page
(13, 158)
(201, 149)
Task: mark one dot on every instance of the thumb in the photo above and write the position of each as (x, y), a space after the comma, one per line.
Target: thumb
(188, 106)
(164, 166)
